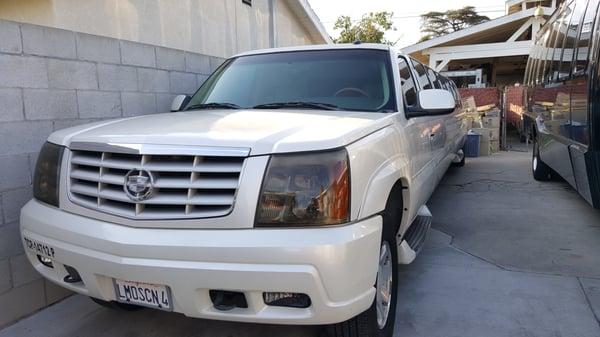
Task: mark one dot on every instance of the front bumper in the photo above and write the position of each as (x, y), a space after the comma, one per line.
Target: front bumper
(336, 266)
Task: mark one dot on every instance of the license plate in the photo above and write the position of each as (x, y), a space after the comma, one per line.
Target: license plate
(148, 295)
(38, 247)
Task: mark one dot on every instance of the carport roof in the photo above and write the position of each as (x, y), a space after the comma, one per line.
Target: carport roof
(493, 31)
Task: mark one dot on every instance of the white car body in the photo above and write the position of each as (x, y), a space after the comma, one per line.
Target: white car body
(336, 266)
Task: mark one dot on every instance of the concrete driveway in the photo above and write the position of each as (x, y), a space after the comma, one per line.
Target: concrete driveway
(508, 257)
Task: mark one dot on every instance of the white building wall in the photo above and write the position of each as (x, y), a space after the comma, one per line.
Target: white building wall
(211, 27)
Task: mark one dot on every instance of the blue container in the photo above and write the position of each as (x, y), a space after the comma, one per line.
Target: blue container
(472, 145)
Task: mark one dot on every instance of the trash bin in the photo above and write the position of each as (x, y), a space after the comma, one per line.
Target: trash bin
(472, 144)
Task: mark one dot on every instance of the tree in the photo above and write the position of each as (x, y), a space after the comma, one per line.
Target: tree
(434, 24)
(370, 28)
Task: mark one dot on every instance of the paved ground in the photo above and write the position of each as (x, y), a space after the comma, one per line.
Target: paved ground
(508, 257)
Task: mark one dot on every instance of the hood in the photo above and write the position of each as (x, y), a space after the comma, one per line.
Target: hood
(262, 131)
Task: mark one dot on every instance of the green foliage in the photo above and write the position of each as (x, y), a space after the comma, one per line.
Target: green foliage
(370, 28)
(434, 24)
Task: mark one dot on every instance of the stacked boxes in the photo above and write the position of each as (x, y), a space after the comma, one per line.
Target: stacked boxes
(484, 120)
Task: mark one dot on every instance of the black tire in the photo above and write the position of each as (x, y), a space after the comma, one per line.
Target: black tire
(116, 305)
(460, 163)
(365, 324)
(541, 171)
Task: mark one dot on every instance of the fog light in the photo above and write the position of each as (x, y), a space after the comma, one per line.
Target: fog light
(73, 276)
(46, 261)
(292, 300)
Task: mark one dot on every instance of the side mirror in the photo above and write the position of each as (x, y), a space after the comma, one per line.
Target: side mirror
(433, 102)
(179, 102)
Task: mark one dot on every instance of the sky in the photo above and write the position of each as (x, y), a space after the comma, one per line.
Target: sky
(406, 13)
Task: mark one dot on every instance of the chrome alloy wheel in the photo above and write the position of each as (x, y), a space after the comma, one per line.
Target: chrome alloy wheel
(383, 298)
(534, 162)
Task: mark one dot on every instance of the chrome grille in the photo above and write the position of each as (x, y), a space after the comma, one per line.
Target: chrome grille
(184, 186)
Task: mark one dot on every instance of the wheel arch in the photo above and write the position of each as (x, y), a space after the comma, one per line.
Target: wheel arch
(382, 190)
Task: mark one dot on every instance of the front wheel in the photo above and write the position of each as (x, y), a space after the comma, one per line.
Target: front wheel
(541, 171)
(379, 319)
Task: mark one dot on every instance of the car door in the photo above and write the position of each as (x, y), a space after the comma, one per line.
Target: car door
(438, 135)
(453, 129)
(418, 129)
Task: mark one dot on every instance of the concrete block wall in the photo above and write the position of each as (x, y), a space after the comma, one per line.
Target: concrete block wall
(52, 79)
(483, 96)
(515, 104)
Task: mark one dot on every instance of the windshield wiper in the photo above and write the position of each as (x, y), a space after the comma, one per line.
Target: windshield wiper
(206, 106)
(298, 105)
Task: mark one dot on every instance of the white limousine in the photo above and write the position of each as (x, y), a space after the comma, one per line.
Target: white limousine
(286, 190)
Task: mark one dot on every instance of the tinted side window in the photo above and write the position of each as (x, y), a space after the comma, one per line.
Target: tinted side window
(585, 35)
(571, 40)
(433, 78)
(553, 28)
(422, 72)
(562, 25)
(541, 68)
(540, 56)
(409, 88)
(528, 70)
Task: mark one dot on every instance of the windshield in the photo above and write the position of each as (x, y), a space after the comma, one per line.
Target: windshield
(357, 79)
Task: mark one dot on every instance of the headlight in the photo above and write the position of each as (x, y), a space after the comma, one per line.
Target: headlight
(305, 189)
(47, 173)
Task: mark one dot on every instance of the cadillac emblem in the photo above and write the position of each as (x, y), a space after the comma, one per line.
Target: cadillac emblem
(139, 185)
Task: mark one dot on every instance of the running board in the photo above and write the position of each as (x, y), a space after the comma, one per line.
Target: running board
(415, 236)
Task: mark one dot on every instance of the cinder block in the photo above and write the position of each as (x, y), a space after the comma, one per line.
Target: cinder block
(50, 103)
(197, 63)
(23, 137)
(23, 71)
(163, 102)
(136, 104)
(98, 48)
(55, 293)
(183, 83)
(72, 74)
(15, 172)
(32, 162)
(99, 104)
(170, 59)
(137, 54)
(5, 278)
(67, 123)
(200, 79)
(10, 37)
(11, 107)
(22, 271)
(215, 62)
(13, 201)
(153, 80)
(46, 41)
(22, 301)
(111, 77)
(10, 241)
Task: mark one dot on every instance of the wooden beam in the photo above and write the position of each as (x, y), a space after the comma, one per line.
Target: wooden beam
(500, 48)
(441, 65)
(521, 30)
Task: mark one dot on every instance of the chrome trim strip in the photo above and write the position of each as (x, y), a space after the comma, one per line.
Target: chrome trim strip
(159, 149)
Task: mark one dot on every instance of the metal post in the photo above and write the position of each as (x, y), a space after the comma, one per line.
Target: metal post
(503, 144)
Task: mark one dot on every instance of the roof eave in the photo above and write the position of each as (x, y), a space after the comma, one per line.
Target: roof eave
(310, 20)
